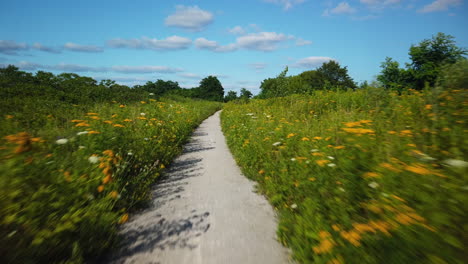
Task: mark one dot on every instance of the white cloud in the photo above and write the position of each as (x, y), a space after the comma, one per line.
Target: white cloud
(302, 42)
(203, 43)
(440, 5)
(169, 43)
(145, 69)
(237, 30)
(74, 68)
(342, 8)
(258, 65)
(287, 4)
(378, 5)
(39, 46)
(82, 68)
(82, 48)
(261, 41)
(264, 41)
(189, 75)
(190, 18)
(311, 62)
(10, 47)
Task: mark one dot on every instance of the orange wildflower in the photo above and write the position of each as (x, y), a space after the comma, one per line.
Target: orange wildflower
(100, 188)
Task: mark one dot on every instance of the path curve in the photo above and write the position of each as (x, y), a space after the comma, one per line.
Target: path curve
(204, 211)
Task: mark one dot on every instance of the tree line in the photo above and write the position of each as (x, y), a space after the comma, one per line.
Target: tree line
(428, 60)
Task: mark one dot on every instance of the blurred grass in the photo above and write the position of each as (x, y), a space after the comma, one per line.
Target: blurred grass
(365, 176)
(70, 174)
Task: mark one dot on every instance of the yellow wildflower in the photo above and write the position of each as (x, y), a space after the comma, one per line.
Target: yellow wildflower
(118, 125)
(322, 162)
(82, 124)
(100, 188)
(290, 135)
(317, 138)
(92, 114)
(123, 219)
(371, 175)
(114, 194)
(305, 139)
(358, 130)
(9, 116)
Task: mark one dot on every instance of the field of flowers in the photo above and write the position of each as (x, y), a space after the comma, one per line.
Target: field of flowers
(365, 176)
(69, 178)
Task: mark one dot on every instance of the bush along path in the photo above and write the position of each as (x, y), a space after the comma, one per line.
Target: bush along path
(203, 211)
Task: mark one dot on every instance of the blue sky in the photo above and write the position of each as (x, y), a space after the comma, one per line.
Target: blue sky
(241, 42)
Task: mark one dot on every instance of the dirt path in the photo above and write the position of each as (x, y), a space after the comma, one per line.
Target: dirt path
(204, 211)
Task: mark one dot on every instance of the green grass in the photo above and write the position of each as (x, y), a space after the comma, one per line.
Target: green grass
(364, 176)
(70, 174)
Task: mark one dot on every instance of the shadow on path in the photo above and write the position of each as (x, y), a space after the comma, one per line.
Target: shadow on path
(149, 230)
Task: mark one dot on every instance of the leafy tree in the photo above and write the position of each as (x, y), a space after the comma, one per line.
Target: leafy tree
(427, 60)
(430, 55)
(211, 89)
(275, 87)
(333, 75)
(245, 94)
(159, 87)
(231, 95)
(391, 75)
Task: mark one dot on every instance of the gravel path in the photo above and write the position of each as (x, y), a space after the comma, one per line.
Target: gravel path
(204, 211)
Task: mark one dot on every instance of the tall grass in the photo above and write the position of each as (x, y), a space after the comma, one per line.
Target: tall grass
(366, 176)
(70, 174)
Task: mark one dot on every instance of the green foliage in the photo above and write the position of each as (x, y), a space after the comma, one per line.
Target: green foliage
(245, 94)
(211, 89)
(427, 60)
(230, 96)
(329, 76)
(159, 87)
(71, 173)
(332, 75)
(364, 176)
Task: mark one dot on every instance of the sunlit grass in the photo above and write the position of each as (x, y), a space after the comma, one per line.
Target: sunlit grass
(365, 176)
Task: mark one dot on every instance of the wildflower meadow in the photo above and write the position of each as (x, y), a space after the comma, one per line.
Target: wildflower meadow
(72, 173)
(364, 176)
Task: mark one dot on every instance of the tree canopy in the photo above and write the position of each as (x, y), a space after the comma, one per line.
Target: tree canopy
(427, 59)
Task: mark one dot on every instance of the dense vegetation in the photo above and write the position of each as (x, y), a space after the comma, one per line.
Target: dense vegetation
(368, 176)
(371, 175)
(76, 156)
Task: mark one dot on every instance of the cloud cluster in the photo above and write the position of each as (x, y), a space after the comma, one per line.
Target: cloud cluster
(259, 41)
(287, 4)
(311, 62)
(190, 18)
(82, 48)
(30, 66)
(169, 43)
(440, 5)
(10, 47)
(342, 8)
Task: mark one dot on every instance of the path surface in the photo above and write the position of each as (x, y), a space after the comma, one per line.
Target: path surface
(204, 211)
